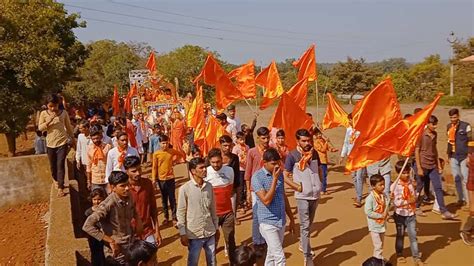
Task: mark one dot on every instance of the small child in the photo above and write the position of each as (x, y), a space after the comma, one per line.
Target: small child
(323, 146)
(40, 142)
(404, 199)
(154, 141)
(97, 247)
(245, 256)
(242, 149)
(375, 208)
(466, 231)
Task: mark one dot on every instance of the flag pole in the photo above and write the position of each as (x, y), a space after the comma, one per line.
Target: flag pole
(249, 105)
(317, 101)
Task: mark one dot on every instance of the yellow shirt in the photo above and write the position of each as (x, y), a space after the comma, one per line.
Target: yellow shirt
(163, 161)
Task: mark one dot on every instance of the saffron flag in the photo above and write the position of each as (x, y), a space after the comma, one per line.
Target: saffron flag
(214, 131)
(212, 74)
(306, 64)
(116, 102)
(378, 111)
(270, 80)
(402, 137)
(151, 63)
(335, 116)
(289, 117)
(245, 78)
(197, 106)
(299, 93)
(128, 100)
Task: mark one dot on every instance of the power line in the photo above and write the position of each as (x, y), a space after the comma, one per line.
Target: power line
(186, 24)
(190, 34)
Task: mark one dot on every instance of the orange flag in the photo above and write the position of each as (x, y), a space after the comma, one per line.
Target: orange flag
(196, 108)
(151, 63)
(378, 111)
(214, 131)
(402, 137)
(116, 102)
(335, 116)
(270, 80)
(245, 77)
(290, 118)
(299, 93)
(306, 64)
(213, 75)
(128, 100)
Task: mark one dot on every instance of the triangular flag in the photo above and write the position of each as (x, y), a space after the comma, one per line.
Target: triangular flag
(289, 117)
(245, 77)
(335, 116)
(378, 111)
(402, 137)
(128, 100)
(212, 74)
(214, 131)
(116, 102)
(306, 64)
(270, 80)
(299, 93)
(151, 63)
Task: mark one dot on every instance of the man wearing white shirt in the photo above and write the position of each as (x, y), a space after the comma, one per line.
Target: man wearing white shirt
(232, 119)
(116, 156)
(83, 140)
(229, 128)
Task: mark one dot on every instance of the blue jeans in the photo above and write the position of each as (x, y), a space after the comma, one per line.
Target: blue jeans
(194, 249)
(324, 167)
(407, 223)
(358, 179)
(257, 238)
(435, 178)
(460, 171)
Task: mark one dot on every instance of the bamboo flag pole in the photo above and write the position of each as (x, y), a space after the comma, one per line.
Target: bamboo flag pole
(247, 101)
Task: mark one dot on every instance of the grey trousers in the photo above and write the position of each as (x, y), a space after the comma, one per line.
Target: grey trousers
(306, 211)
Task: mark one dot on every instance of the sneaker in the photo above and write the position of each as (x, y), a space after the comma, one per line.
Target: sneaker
(300, 248)
(436, 211)
(428, 201)
(466, 238)
(401, 259)
(448, 216)
(420, 213)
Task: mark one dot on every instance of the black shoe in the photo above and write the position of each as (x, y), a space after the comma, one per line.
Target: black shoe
(461, 203)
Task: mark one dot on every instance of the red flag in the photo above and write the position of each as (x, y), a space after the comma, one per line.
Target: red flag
(306, 64)
(245, 77)
(289, 117)
(128, 100)
(270, 80)
(335, 116)
(151, 63)
(299, 93)
(116, 102)
(378, 111)
(213, 75)
(402, 137)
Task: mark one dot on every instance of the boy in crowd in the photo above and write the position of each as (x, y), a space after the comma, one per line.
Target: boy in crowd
(116, 156)
(241, 149)
(111, 222)
(162, 173)
(323, 146)
(198, 223)
(97, 153)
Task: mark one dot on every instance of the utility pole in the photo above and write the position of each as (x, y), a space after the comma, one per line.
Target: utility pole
(452, 40)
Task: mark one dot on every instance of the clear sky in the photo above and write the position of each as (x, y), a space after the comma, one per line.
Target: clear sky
(276, 29)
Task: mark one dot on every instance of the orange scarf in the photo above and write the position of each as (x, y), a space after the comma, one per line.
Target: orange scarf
(406, 193)
(122, 154)
(305, 157)
(452, 135)
(261, 150)
(243, 152)
(98, 155)
(380, 200)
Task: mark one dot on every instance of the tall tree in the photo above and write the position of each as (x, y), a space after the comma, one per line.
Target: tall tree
(464, 71)
(353, 76)
(39, 53)
(429, 77)
(108, 63)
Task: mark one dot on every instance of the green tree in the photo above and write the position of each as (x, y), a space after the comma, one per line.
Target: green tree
(429, 77)
(464, 71)
(108, 63)
(39, 53)
(392, 65)
(353, 76)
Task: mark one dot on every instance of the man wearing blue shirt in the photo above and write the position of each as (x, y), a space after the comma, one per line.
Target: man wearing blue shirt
(271, 205)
